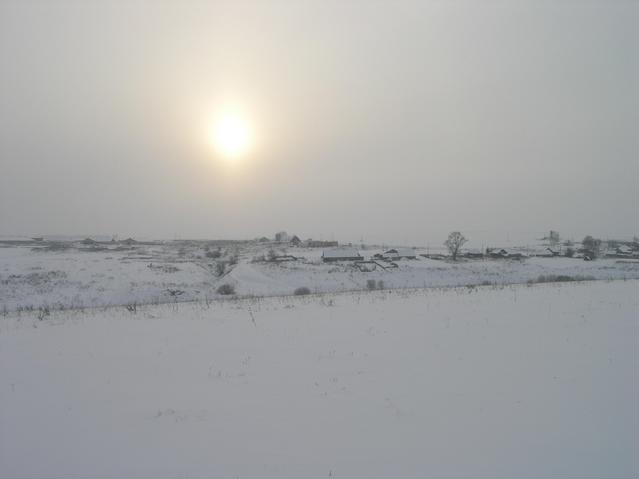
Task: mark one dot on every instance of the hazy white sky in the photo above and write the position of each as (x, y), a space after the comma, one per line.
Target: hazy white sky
(392, 121)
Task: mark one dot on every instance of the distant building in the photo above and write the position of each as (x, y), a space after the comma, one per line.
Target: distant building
(281, 237)
(129, 242)
(400, 253)
(472, 253)
(341, 254)
(295, 241)
(435, 256)
(624, 250)
(321, 244)
(548, 253)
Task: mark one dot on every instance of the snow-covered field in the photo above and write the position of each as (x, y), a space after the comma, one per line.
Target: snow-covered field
(76, 275)
(491, 382)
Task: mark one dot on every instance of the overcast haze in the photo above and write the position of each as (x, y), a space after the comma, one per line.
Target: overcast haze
(391, 121)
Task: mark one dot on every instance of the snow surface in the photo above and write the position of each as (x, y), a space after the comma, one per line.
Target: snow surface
(75, 277)
(490, 382)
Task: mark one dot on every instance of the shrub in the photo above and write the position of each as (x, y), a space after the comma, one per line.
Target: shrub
(563, 277)
(380, 284)
(302, 291)
(43, 312)
(214, 254)
(371, 284)
(219, 268)
(560, 278)
(570, 252)
(226, 289)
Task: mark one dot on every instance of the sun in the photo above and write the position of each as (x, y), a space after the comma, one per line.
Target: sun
(231, 136)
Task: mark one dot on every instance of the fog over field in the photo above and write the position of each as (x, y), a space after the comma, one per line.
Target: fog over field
(392, 121)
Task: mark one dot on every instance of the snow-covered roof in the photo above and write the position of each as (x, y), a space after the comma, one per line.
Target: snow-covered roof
(401, 252)
(343, 252)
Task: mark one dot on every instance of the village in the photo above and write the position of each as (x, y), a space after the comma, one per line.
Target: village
(61, 273)
(550, 246)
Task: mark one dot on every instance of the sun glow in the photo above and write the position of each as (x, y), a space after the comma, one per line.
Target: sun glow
(231, 137)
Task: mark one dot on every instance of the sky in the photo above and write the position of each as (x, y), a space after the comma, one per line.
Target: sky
(387, 121)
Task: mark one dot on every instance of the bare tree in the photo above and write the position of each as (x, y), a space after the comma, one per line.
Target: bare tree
(591, 246)
(454, 242)
(281, 237)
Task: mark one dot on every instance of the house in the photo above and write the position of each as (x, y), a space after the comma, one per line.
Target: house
(129, 242)
(548, 253)
(341, 254)
(504, 253)
(435, 256)
(472, 253)
(295, 241)
(399, 253)
(624, 250)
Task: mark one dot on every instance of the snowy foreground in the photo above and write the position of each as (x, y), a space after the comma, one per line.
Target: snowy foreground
(491, 382)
